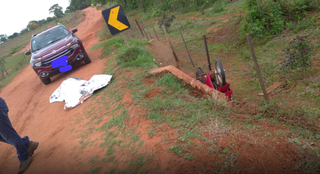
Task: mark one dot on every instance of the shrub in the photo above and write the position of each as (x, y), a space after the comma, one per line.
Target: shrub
(304, 24)
(113, 43)
(298, 53)
(264, 19)
(166, 20)
(269, 17)
(135, 57)
(218, 7)
(15, 49)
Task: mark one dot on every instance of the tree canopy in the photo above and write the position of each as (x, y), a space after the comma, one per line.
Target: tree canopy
(3, 38)
(56, 10)
(13, 35)
(78, 5)
(32, 25)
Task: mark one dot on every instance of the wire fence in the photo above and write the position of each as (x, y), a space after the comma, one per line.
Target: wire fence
(149, 30)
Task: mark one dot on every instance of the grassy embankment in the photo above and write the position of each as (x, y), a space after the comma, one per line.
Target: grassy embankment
(163, 104)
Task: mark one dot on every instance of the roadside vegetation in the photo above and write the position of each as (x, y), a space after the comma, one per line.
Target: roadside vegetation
(286, 44)
(137, 108)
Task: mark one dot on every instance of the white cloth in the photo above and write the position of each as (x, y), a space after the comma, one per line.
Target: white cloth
(75, 91)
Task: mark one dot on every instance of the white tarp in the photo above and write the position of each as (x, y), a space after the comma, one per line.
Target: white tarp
(75, 91)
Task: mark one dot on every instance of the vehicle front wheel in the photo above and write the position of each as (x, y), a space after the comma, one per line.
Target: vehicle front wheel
(87, 60)
(46, 81)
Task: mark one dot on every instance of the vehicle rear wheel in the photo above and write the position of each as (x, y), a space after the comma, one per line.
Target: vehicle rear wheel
(87, 60)
(219, 74)
(46, 81)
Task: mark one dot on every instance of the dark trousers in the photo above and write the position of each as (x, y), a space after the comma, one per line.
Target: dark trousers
(10, 136)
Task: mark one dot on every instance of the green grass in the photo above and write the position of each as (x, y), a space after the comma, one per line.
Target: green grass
(15, 49)
(14, 65)
(191, 116)
(163, 108)
(128, 141)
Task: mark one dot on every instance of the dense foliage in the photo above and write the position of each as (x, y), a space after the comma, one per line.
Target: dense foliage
(78, 5)
(56, 10)
(163, 5)
(265, 18)
(166, 20)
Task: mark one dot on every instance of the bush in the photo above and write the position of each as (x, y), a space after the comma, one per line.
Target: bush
(263, 20)
(304, 24)
(135, 57)
(113, 43)
(218, 7)
(298, 54)
(269, 17)
(15, 49)
(166, 20)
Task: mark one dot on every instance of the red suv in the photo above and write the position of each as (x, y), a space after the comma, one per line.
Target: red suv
(55, 43)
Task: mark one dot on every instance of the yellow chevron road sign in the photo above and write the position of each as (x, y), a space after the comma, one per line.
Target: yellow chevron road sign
(116, 19)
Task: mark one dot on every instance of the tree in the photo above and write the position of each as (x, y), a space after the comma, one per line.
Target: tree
(78, 5)
(32, 25)
(56, 10)
(67, 11)
(13, 35)
(3, 38)
(49, 19)
(25, 30)
(41, 22)
(101, 2)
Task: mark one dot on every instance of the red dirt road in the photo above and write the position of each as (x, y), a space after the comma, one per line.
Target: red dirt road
(32, 115)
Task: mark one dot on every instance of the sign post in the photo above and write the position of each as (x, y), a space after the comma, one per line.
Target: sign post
(116, 20)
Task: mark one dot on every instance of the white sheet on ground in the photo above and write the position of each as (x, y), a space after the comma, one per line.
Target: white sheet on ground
(75, 91)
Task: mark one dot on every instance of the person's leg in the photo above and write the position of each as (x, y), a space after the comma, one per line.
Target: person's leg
(10, 136)
(26, 141)
(2, 140)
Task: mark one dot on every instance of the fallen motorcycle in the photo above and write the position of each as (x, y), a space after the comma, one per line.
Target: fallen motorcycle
(215, 79)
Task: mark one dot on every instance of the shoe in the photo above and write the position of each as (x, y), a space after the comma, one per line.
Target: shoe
(24, 165)
(32, 147)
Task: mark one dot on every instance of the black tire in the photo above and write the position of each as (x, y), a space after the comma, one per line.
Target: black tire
(199, 73)
(220, 77)
(87, 60)
(46, 81)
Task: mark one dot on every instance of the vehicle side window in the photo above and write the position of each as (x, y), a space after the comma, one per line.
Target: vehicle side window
(66, 33)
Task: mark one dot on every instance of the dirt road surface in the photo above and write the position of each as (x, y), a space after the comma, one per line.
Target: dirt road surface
(32, 115)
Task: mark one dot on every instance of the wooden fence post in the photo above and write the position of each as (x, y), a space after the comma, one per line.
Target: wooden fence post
(207, 51)
(144, 31)
(265, 95)
(139, 27)
(186, 48)
(167, 35)
(154, 30)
